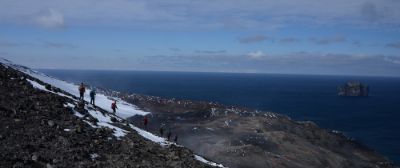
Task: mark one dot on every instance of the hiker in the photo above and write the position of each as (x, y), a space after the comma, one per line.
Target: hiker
(92, 96)
(145, 121)
(162, 131)
(114, 106)
(176, 139)
(169, 135)
(82, 91)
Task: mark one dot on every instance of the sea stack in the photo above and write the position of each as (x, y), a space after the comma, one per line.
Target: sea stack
(353, 88)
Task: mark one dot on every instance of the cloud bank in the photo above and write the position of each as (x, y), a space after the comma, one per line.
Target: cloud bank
(292, 63)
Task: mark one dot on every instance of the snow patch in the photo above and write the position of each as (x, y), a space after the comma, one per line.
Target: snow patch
(270, 115)
(42, 87)
(87, 122)
(213, 112)
(104, 120)
(201, 159)
(69, 105)
(75, 112)
(227, 123)
(93, 156)
(99, 116)
(151, 136)
(118, 132)
(37, 85)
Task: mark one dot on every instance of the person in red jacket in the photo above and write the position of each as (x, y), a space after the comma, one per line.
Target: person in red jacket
(145, 121)
(82, 90)
(114, 106)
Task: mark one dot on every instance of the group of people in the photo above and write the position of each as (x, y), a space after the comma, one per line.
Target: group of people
(169, 134)
(162, 129)
(92, 94)
(82, 91)
(114, 107)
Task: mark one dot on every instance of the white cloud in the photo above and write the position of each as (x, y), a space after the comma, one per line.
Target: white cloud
(256, 55)
(394, 60)
(50, 19)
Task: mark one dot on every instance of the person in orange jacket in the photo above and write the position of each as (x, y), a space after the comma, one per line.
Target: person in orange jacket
(82, 90)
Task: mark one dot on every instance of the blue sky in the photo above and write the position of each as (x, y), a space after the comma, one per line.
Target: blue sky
(356, 37)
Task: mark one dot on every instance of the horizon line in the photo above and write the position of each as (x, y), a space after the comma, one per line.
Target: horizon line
(224, 72)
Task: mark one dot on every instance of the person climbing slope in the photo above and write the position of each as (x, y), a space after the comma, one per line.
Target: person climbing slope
(92, 96)
(162, 130)
(145, 121)
(169, 135)
(114, 106)
(82, 91)
(176, 139)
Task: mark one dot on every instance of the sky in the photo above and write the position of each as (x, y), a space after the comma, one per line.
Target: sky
(335, 37)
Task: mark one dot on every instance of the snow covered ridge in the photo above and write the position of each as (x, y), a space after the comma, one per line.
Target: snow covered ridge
(125, 110)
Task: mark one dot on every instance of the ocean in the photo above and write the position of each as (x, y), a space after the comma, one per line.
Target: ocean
(373, 120)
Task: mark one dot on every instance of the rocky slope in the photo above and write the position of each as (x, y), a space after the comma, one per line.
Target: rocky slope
(239, 137)
(40, 128)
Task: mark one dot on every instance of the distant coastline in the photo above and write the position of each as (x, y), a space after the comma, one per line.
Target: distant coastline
(216, 72)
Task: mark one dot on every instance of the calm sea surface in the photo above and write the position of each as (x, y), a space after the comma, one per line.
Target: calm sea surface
(372, 120)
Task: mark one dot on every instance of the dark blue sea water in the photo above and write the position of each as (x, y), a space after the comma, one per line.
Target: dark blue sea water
(372, 120)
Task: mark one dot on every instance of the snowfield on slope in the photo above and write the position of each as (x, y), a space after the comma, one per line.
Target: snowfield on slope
(125, 110)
